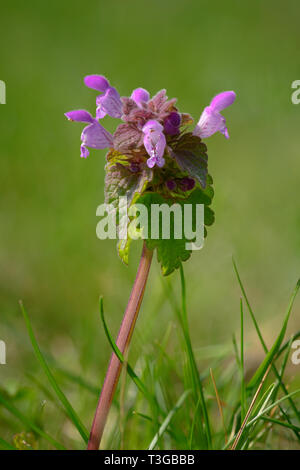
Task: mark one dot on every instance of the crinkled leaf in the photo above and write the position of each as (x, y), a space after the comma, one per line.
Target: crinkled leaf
(191, 157)
(120, 181)
(171, 252)
(127, 137)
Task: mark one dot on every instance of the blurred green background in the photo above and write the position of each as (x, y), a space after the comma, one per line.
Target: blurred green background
(49, 254)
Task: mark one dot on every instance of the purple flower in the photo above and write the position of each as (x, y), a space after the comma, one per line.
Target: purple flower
(171, 185)
(155, 143)
(211, 120)
(94, 135)
(110, 102)
(134, 167)
(97, 82)
(187, 184)
(172, 123)
(140, 95)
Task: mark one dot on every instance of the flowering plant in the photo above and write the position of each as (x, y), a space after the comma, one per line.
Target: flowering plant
(152, 157)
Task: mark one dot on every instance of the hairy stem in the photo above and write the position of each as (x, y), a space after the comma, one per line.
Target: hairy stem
(123, 340)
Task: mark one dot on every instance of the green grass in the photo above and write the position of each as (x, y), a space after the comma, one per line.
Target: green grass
(50, 256)
(211, 404)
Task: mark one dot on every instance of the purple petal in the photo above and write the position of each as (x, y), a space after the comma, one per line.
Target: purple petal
(96, 136)
(100, 113)
(174, 118)
(134, 167)
(109, 103)
(140, 95)
(84, 151)
(152, 125)
(96, 82)
(171, 130)
(209, 123)
(172, 123)
(171, 185)
(222, 100)
(151, 162)
(224, 131)
(160, 162)
(187, 184)
(79, 116)
(155, 143)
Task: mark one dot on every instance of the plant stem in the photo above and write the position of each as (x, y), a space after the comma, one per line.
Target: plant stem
(123, 340)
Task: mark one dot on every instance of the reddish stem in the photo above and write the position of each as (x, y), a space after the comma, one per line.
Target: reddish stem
(123, 340)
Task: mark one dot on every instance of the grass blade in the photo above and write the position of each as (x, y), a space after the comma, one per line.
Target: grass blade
(168, 419)
(219, 404)
(275, 348)
(281, 423)
(285, 345)
(239, 434)
(262, 340)
(276, 403)
(29, 424)
(194, 370)
(242, 362)
(61, 396)
(188, 373)
(5, 445)
(265, 411)
(120, 356)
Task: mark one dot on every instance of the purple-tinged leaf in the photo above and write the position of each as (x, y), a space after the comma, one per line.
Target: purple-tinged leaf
(191, 157)
(127, 137)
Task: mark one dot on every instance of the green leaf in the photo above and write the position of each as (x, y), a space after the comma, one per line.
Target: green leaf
(123, 249)
(191, 157)
(120, 181)
(171, 252)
